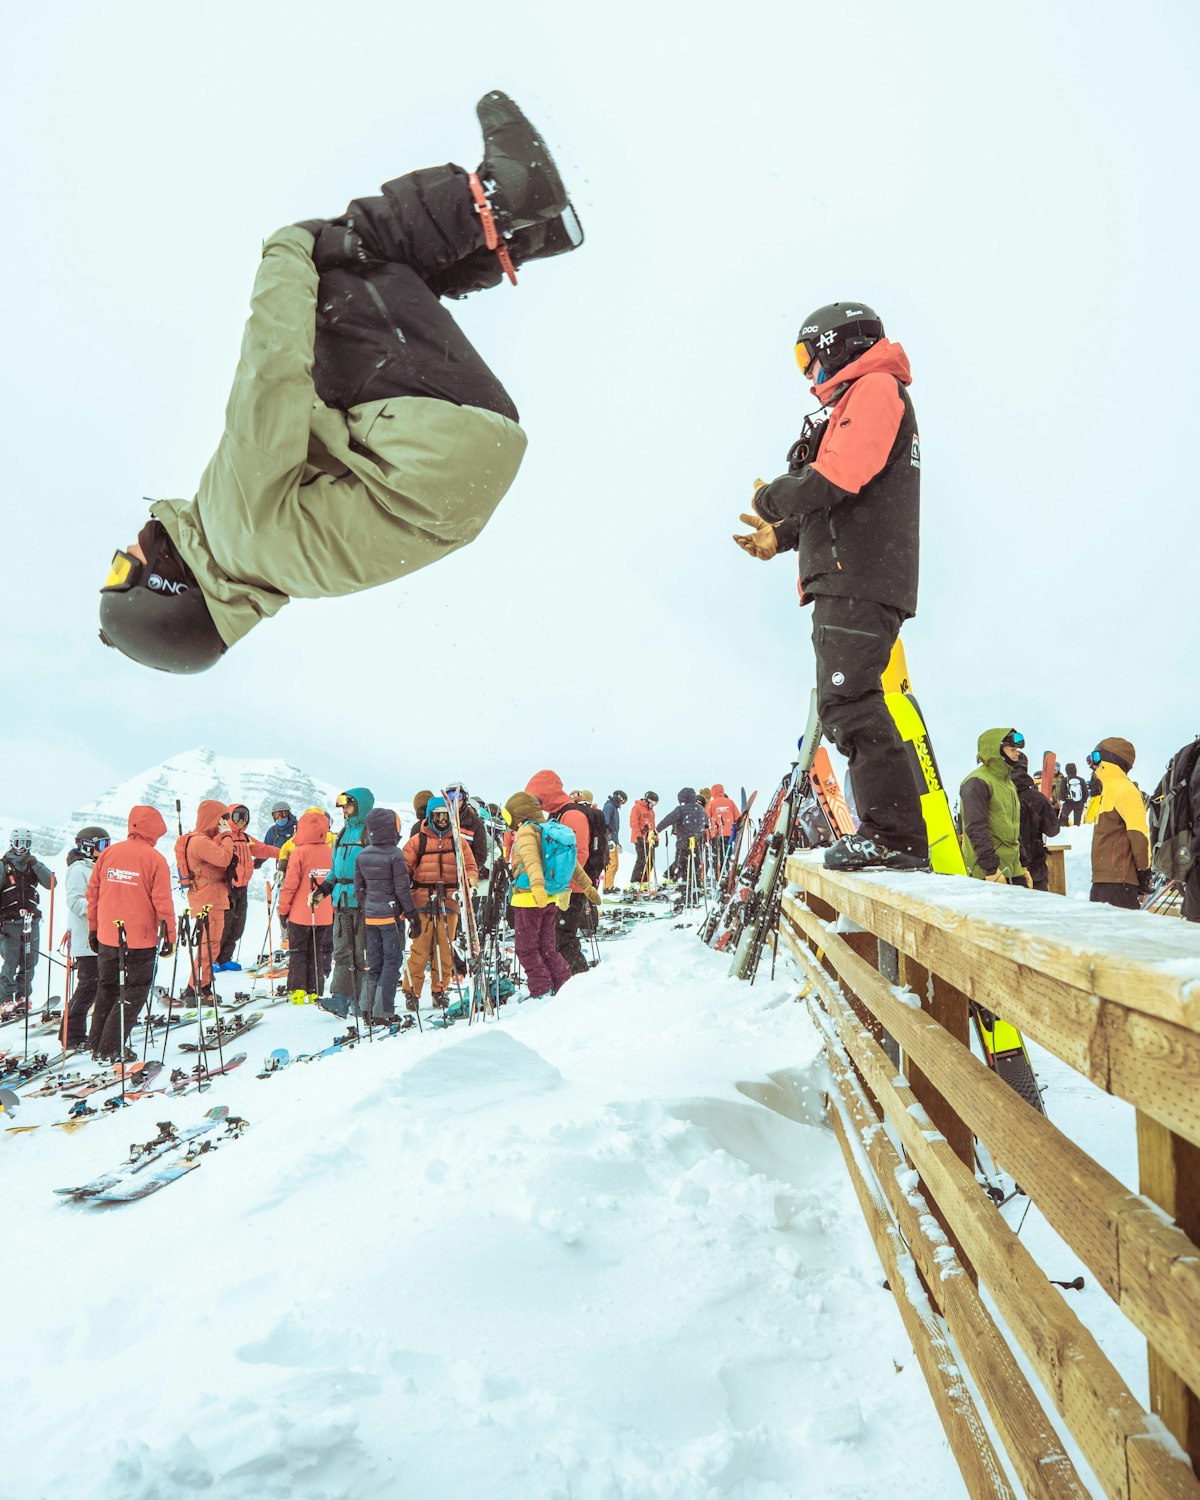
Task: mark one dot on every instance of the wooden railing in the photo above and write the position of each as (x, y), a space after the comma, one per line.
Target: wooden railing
(1117, 997)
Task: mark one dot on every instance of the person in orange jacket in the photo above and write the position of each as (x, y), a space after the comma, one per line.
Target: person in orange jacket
(642, 831)
(246, 851)
(129, 892)
(722, 814)
(433, 875)
(203, 858)
(309, 928)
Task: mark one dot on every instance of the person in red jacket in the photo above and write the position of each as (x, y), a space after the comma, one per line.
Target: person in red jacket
(849, 505)
(548, 788)
(129, 895)
(722, 819)
(246, 851)
(309, 928)
(203, 858)
(642, 831)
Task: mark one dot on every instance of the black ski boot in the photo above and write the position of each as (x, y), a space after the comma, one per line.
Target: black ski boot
(517, 168)
(858, 851)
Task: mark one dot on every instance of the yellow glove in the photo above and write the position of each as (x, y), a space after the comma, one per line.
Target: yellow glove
(592, 894)
(762, 541)
(540, 898)
(998, 877)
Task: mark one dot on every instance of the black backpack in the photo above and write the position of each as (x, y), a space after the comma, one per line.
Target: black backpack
(595, 857)
(1173, 814)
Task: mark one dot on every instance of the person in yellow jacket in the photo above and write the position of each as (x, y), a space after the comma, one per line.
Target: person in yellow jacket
(364, 436)
(1121, 835)
(535, 912)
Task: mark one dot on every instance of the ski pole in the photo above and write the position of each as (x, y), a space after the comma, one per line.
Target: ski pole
(184, 935)
(68, 992)
(26, 980)
(212, 987)
(120, 926)
(50, 943)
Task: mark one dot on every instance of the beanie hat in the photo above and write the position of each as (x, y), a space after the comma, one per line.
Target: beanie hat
(1120, 752)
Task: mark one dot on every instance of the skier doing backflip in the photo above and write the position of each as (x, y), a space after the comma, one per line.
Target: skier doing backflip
(364, 436)
(850, 506)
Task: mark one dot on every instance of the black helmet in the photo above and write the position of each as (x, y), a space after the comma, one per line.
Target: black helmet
(651, 797)
(154, 611)
(836, 334)
(620, 798)
(92, 839)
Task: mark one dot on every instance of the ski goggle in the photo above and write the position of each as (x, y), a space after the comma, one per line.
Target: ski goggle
(240, 816)
(22, 840)
(123, 572)
(1093, 758)
(98, 846)
(281, 817)
(345, 803)
(806, 353)
(456, 792)
(441, 818)
(1014, 737)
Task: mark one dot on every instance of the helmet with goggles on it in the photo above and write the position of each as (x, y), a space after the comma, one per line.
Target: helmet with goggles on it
(92, 840)
(835, 335)
(154, 611)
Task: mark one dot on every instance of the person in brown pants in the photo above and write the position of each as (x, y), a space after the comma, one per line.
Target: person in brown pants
(203, 858)
(433, 874)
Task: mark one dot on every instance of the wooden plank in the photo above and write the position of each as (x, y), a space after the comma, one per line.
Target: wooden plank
(1150, 1267)
(1029, 1438)
(1118, 956)
(1056, 868)
(978, 1463)
(1120, 1441)
(1170, 1176)
(1154, 1063)
(949, 1008)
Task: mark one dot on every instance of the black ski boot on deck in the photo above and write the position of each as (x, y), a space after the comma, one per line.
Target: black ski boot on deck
(517, 169)
(858, 851)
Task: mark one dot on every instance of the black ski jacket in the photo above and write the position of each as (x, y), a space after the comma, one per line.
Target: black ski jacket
(20, 876)
(853, 510)
(688, 819)
(381, 884)
(1038, 823)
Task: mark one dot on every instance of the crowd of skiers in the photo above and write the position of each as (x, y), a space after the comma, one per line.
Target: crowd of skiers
(350, 901)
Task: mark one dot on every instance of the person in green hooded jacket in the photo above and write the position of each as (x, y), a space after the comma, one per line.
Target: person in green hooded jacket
(991, 810)
(364, 436)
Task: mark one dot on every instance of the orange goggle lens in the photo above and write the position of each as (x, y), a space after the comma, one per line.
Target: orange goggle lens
(805, 354)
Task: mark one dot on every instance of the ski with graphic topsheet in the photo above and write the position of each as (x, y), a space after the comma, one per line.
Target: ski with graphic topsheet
(1046, 780)
(141, 1157)
(829, 794)
(1003, 1045)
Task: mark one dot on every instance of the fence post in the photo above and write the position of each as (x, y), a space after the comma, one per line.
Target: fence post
(1169, 1172)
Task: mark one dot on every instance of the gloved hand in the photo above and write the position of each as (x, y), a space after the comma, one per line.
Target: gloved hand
(592, 894)
(762, 541)
(93, 942)
(1025, 879)
(483, 872)
(540, 898)
(165, 946)
(998, 877)
(414, 925)
(1145, 882)
(314, 899)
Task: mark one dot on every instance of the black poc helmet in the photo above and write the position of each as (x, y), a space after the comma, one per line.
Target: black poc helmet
(620, 798)
(154, 611)
(92, 839)
(651, 797)
(836, 334)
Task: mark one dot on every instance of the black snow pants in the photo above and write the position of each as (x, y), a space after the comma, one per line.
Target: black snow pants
(381, 329)
(235, 923)
(566, 933)
(107, 1024)
(1072, 810)
(1117, 893)
(310, 954)
(643, 865)
(853, 639)
(82, 999)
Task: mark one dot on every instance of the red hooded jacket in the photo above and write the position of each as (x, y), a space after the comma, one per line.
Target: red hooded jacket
(132, 884)
(547, 787)
(311, 855)
(203, 858)
(722, 812)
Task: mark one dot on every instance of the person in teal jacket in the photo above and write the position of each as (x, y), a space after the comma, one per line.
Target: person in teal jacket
(350, 966)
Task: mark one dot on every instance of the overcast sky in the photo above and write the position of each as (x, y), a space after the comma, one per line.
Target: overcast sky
(1011, 187)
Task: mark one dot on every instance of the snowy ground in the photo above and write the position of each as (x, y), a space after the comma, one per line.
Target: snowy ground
(561, 1255)
(567, 1254)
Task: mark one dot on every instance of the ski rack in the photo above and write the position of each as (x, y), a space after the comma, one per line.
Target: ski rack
(1112, 996)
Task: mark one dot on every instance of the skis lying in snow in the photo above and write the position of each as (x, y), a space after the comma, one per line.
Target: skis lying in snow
(227, 1030)
(141, 1157)
(275, 1062)
(200, 1077)
(168, 1157)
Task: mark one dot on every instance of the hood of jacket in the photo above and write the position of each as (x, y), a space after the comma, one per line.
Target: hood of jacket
(364, 799)
(147, 824)
(882, 358)
(523, 808)
(208, 815)
(717, 789)
(383, 826)
(436, 804)
(687, 794)
(1120, 752)
(547, 787)
(1070, 771)
(312, 826)
(988, 750)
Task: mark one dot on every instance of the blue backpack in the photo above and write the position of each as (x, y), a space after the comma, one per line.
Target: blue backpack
(559, 858)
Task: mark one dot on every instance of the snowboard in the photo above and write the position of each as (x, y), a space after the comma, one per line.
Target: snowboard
(1002, 1044)
(1046, 780)
(275, 1062)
